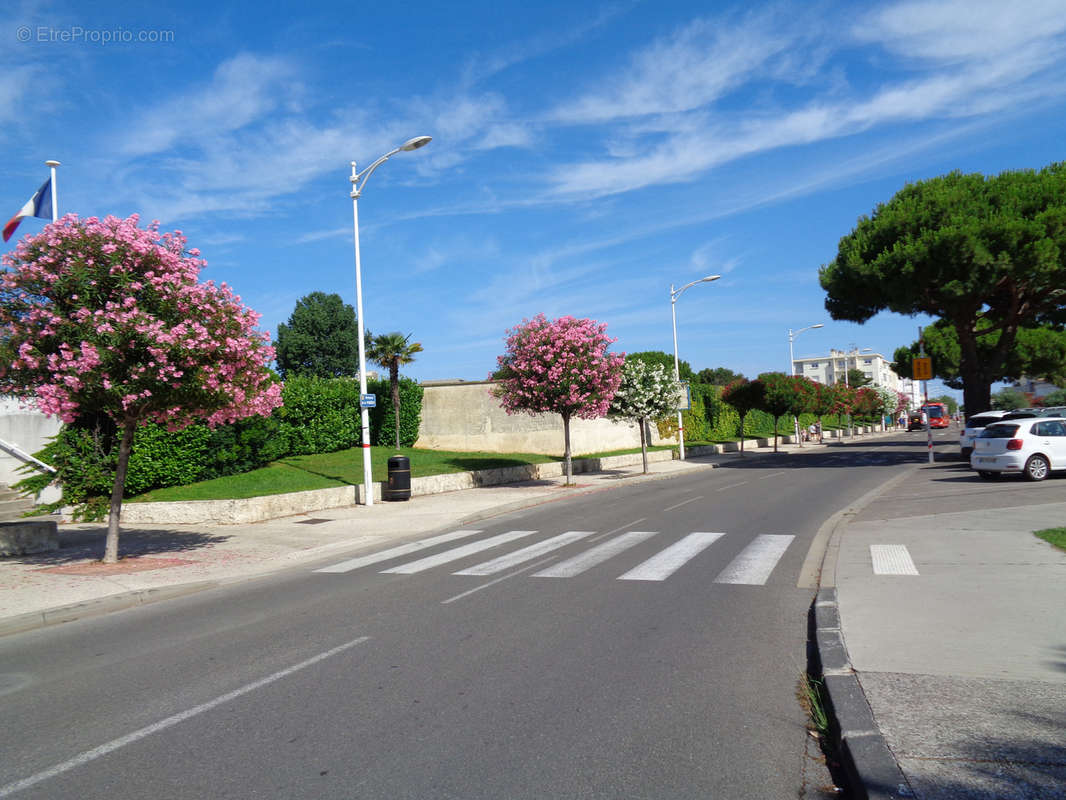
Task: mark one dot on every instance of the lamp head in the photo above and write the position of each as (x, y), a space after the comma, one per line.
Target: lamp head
(710, 278)
(819, 325)
(414, 144)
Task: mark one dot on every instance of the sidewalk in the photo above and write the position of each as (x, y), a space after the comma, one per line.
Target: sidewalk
(951, 682)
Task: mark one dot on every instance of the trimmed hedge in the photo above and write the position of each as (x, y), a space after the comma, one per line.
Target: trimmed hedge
(318, 415)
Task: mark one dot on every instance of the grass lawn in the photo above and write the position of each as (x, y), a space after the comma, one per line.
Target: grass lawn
(276, 478)
(1056, 536)
(327, 470)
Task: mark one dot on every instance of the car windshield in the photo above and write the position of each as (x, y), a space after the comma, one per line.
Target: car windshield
(999, 430)
(936, 412)
(1053, 411)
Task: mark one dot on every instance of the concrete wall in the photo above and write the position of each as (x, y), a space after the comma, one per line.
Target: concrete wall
(466, 417)
(27, 429)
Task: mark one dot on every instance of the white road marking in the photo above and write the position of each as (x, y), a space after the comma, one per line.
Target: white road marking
(616, 530)
(396, 552)
(661, 566)
(772, 475)
(730, 486)
(525, 554)
(169, 722)
(456, 553)
(892, 559)
(752, 567)
(597, 555)
(494, 581)
(684, 502)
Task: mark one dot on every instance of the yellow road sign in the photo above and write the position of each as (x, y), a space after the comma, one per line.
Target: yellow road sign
(922, 369)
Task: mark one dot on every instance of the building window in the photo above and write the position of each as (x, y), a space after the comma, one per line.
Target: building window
(868, 361)
(813, 365)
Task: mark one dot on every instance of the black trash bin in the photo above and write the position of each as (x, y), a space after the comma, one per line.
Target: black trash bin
(399, 485)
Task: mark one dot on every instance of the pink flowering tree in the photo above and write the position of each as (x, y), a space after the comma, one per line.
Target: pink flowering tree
(559, 366)
(102, 317)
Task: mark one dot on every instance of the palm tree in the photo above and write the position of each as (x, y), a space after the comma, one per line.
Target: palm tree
(392, 350)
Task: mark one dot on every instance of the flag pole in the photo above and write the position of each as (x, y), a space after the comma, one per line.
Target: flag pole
(55, 196)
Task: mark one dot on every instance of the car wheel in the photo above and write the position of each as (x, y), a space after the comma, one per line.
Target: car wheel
(988, 476)
(1036, 468)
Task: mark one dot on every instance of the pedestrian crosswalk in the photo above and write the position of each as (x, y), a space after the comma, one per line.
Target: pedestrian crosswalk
(752, 566)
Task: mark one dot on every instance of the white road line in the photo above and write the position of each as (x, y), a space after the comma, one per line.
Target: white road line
(892, 559)
(616, 530)
(169, 722)
(730, 486)
(661, 566)
(772, 475)
(752, 567)
(455, 554)
(494, 581)
(396, 552)
(525, 554)
(684, 502)
(597, 555)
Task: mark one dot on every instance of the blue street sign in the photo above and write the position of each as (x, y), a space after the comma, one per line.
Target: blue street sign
(368, 400)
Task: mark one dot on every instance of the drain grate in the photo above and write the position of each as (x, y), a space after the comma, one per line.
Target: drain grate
(312, 521)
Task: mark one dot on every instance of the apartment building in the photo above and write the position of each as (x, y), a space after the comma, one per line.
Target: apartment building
(832, 368)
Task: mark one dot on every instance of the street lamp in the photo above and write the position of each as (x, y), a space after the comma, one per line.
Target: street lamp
(674, 294)
(359, 180)
(792, 369)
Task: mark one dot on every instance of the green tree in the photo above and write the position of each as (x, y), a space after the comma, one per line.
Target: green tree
(719, 376)
(321, 339)
(1038, 352)
(784, 395)
(1009, 399)
(857, 378)
(646, 393)
(1056, 398)
(651, 357)
(985, 254)
(392, 351)
(745, 396)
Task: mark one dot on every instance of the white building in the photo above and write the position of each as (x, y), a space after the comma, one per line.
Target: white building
(832, 368)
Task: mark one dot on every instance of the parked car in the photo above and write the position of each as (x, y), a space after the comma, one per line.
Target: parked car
(914, 421)
(1033, 447)
(974, 425)
(1029, 413)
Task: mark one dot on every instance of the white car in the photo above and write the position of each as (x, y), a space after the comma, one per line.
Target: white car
(974, 425)
(1032, 447)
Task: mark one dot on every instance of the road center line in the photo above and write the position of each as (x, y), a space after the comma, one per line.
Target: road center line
(169, 722)
(772, 475)
(730, 486)
(617, 530)
(684, 502)
(497, 580)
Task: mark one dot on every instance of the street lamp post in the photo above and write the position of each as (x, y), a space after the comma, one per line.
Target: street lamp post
(674, 294)
(358, 181)
(792, 370)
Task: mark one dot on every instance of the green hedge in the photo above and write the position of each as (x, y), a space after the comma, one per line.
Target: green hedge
(318, 415)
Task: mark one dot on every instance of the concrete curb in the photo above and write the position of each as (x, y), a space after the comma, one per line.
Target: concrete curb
(873, 773)
(98, 606)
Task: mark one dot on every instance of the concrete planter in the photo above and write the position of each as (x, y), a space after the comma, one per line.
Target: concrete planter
(29, 536)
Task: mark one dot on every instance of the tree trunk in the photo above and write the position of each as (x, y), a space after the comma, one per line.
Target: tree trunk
(777, 421)
(643, 445)
(124, 448)
(394, 379)
(566, 452)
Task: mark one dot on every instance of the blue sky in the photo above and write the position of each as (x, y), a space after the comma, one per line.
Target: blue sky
(585, 155)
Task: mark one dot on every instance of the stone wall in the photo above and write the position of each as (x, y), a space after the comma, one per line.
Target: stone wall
(465, 416)
(27, 429)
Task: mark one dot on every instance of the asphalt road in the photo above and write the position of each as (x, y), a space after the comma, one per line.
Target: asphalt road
(654, 653)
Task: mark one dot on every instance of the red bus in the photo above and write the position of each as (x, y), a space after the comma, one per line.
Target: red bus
(938, 415)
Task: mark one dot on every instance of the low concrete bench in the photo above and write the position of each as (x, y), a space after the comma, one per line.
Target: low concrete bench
(24, 537)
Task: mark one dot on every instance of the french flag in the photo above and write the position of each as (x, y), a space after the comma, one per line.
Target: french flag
(40, 205)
